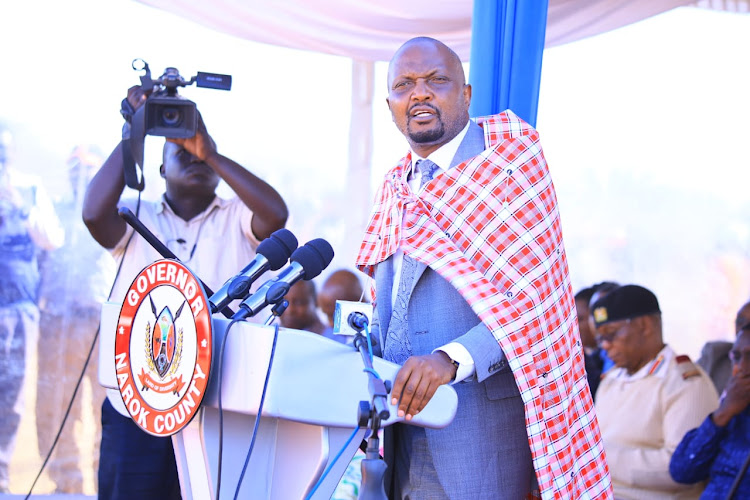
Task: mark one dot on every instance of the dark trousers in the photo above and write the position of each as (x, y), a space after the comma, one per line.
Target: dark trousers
(134, 464)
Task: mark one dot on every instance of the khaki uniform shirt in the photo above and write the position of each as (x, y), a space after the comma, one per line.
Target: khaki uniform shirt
(643, 418)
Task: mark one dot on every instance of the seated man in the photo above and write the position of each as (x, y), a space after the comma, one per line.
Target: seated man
(717, 450)
(594, 357)
(302, 313)
(715, 354)
(340, 285)
(649, 400)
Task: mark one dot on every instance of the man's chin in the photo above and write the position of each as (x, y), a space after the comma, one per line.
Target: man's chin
(426, 136)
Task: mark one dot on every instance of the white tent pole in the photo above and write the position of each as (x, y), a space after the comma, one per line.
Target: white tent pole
(358, 195)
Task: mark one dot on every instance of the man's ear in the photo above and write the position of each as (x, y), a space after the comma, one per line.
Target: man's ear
(645, 324)
(388, 102)
(161, 170)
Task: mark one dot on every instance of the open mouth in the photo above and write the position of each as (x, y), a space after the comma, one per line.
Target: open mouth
(422, 113)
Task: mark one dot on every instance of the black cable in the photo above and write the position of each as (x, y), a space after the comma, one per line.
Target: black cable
(65, 417)
(221, 410)
(85, 364)
(260, 411)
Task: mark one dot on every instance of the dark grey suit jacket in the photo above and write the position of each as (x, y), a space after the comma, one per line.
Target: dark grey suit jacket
(485, 450)
(715, 361)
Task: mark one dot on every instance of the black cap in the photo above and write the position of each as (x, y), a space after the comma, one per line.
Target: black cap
(625, 302)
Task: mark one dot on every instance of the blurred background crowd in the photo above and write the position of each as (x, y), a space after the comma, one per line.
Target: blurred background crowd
(645, 135)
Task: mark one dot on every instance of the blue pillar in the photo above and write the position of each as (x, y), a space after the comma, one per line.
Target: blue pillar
(507, 43)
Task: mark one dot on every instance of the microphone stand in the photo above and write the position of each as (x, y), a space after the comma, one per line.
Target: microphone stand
(370, 415)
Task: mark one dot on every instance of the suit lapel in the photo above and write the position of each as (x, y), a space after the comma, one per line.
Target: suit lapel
(384, 281)
(417, 273)
(471, 145)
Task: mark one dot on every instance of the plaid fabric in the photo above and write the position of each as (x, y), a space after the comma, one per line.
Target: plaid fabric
(491, 227)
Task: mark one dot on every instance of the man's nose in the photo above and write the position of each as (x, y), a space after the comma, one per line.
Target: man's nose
(422, 90)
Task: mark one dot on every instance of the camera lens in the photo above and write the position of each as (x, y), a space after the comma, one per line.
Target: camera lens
(171, 117)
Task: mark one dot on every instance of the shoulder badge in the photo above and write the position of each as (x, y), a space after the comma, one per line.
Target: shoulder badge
(686, 367)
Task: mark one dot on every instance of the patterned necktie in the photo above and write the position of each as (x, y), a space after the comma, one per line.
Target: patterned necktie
(397, 345)
(427, 169)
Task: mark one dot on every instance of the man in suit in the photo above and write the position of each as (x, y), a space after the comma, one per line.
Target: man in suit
(471, 289)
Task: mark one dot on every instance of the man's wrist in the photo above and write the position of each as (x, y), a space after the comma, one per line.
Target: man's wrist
(452, 361)
(212, 158)
(720, 418)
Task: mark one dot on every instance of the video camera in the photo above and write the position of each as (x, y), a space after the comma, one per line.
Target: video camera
(164, 113)
(168, 115)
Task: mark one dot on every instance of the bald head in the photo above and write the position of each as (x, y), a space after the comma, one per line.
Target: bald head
(340, 285)
(425, 44)
(427, 94)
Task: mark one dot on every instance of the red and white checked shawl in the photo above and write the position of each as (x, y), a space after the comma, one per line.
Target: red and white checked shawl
(491, 227)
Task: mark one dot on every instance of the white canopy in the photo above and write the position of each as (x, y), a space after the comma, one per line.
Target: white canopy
(372, 31)
(368, 31)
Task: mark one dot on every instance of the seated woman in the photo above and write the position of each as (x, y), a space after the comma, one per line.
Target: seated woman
(719, 450)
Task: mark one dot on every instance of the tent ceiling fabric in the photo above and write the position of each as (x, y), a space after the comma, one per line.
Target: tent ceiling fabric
(571, 20)
(372, 31)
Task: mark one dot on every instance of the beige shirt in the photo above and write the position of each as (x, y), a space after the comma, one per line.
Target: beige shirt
(215, 245)
(643, 418)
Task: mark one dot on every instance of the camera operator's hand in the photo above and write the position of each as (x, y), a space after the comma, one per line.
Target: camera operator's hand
(201, 145)
(137, 96)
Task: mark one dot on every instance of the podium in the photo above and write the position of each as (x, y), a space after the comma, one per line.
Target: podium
(310, 410)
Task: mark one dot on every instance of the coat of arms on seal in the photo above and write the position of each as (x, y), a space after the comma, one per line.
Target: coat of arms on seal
(163, 347)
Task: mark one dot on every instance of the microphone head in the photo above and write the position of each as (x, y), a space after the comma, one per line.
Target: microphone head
(313, 256)
(277, 248)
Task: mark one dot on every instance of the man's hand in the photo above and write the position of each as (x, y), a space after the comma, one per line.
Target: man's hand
(736, 399)
(136, 96)
(417, 381)
(201, 145)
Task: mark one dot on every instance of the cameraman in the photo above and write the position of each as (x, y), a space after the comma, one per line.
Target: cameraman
(213, 236)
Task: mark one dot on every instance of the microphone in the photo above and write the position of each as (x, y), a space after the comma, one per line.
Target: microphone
(350, 318)
(307, 262)
(272, 253)
(358, 321)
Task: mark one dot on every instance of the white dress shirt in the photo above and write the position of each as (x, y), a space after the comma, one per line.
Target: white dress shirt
(442, 157)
